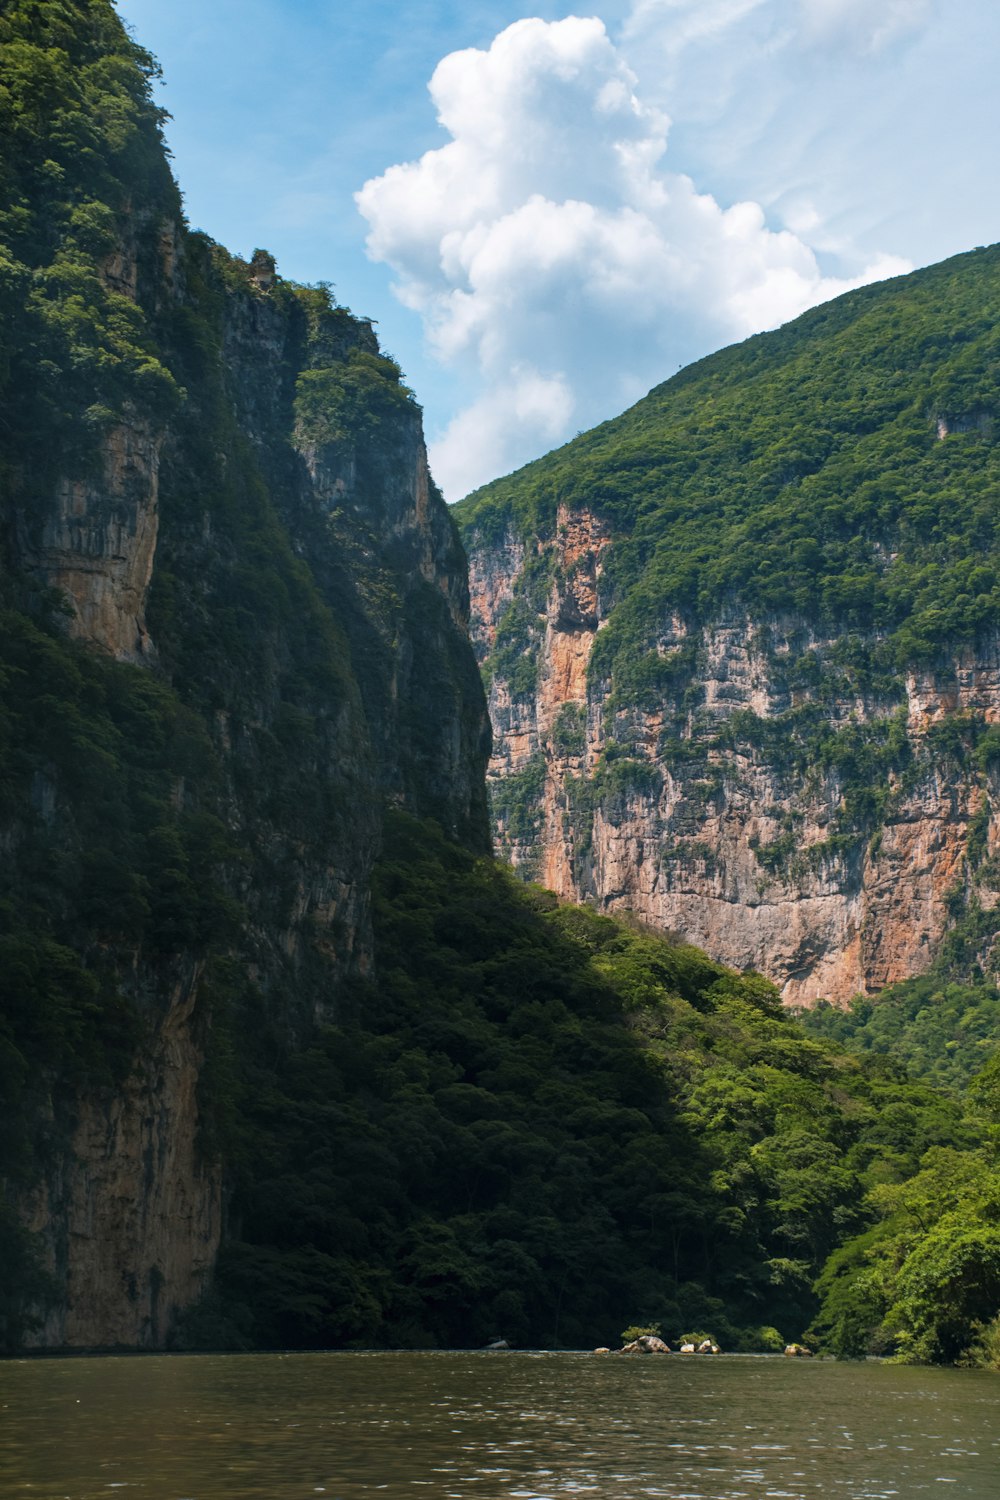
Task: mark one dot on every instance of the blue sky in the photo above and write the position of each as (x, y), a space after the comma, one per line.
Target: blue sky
(584, 200)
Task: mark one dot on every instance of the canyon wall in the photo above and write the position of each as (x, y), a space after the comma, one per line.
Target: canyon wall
(763, 804)
(235, 616)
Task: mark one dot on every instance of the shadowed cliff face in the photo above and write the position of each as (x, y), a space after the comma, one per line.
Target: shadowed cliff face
(237, 609)
(99, 541)
(132, 1215)
(717, 822)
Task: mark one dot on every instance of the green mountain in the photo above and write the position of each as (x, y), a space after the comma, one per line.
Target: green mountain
(741, 645)
(285, 1057)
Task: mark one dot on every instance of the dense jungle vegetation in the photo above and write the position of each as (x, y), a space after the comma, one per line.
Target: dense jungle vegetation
(941, 1028)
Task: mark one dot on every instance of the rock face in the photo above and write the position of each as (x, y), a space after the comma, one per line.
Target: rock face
(132, 1211)
(232, 512)
(720, 819)
(134, 1215)
(99, 540)
(741, 644)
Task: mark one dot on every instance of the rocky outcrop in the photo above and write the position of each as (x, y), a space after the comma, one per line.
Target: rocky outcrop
(758, 801)
(384, 526)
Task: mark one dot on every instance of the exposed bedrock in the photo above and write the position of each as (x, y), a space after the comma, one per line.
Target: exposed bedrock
(713, 813)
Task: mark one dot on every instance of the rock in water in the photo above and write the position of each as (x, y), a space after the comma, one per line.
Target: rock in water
(647, 1343)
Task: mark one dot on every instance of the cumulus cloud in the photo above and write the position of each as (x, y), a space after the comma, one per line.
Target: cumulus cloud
(554, 257)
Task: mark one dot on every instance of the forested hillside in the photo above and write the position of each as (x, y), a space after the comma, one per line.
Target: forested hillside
(741, 643)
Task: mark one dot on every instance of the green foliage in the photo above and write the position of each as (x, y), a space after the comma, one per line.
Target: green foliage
(984, 1351)
(569, 732)
(537, 1121)
(948, 1284)
(515, 801)
(764, 1340)
(618, 776)
(341, 402)
(938, 1028)
(645, 681)
(514, 656)
(110, 854)
(82, 144)
(924, 1283)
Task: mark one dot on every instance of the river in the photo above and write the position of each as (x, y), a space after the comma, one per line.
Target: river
(516, 1426)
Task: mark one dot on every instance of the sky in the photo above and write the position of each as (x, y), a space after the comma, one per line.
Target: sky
(546, 209)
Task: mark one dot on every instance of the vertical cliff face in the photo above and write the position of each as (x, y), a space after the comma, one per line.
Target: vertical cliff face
(132, 1214)
(99, 540)
(236, 615)
(741, 646)
(715, 824)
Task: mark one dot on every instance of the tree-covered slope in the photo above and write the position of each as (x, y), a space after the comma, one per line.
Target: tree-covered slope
(844, 468)
(941, 1028)
(741, 642)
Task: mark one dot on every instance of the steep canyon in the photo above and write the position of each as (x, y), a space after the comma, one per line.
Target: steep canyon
(286, 1059)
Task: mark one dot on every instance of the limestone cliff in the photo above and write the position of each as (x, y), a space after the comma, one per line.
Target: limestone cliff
(99, 539)
(718, 837)
(735, 682)
(236, 631)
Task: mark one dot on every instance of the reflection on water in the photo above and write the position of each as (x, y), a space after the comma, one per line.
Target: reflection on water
(517, 1426)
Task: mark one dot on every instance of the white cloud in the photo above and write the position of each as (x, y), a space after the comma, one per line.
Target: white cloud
(553, 257)
(527, 414)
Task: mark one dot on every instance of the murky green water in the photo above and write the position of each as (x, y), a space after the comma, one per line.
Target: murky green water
(517, 1426)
